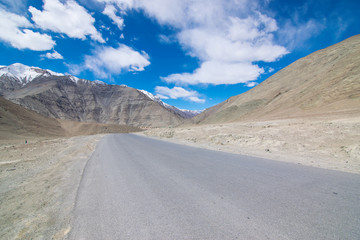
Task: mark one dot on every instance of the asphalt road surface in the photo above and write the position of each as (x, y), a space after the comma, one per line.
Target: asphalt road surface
(139, 188)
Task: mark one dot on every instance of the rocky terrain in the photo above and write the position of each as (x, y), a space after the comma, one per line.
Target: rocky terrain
(67, 97)
(20, 124)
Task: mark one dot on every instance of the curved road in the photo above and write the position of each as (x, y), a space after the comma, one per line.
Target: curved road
(139, 188)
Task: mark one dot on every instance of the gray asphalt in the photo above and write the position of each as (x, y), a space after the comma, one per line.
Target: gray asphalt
(139, 188)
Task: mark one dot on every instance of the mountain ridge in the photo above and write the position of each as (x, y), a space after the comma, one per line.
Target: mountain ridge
(67, 97)
(17, 122)
(23, 75)
(324, 82)
(182, 112)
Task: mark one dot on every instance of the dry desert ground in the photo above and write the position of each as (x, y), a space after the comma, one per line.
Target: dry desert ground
(39, 181)
(318, 141)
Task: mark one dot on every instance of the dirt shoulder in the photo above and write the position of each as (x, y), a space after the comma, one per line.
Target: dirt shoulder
(38, 185)
(319, 142)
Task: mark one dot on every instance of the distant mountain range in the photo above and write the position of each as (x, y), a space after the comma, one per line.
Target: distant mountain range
(67, 97)
(182, 112)
(324, 83)
(17, 122)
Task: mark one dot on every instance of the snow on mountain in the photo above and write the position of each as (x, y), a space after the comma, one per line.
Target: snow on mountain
(25, 74)
(182, 112)
(191, 113)
(99, 82)
(152, 97)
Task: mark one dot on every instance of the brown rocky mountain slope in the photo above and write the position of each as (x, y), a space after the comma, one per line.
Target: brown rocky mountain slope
(17, 122)
(326, 82)
(66, 97)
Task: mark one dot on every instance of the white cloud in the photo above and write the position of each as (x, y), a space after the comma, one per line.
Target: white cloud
(228, 52)
(270, 70)
(13, 30)
(178, 92)
(69, 18)
(107, 60)
(251, 84)
(14, 6)
(295, 34)
(53, 55)
(228, 35)
(166, 39)
(216, 73)
(208, 44)
(251, 27)
(122, 4)
(110, 11)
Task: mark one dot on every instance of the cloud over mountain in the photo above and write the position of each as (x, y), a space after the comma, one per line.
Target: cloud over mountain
(110, 11)
(178, 92)
(69, 18)
(214, 48)
(15, 30)
(108, 60)
(53, 55)
(228, 37)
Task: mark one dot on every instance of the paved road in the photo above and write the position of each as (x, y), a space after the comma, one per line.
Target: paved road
(139, 188)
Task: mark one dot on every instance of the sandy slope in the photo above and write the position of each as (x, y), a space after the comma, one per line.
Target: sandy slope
(326, 82)
(319, 142)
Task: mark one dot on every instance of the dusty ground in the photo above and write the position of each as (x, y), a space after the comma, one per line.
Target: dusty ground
(331, 144)
(38, 185)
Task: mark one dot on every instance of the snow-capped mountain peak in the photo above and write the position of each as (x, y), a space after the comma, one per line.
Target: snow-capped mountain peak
(99, 82)
(152, 97)
(24, 73)
(182, 112)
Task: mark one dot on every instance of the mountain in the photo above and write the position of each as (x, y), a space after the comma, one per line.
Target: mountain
(67, 97)
(17, 122)
(187, 114)
(326, 83)
(17, 75)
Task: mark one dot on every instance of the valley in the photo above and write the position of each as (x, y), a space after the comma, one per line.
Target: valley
(306, 116)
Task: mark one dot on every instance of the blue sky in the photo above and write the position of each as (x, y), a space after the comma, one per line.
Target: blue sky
(193, 54)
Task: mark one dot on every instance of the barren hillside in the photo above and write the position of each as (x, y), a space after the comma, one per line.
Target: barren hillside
(17, 122)
(66, 97)
(326, 82)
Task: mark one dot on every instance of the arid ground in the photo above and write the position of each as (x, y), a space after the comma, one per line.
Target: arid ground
(318, 141)
(39, 181)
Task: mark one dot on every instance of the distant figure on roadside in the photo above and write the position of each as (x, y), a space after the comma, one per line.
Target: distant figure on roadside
(25, 141)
